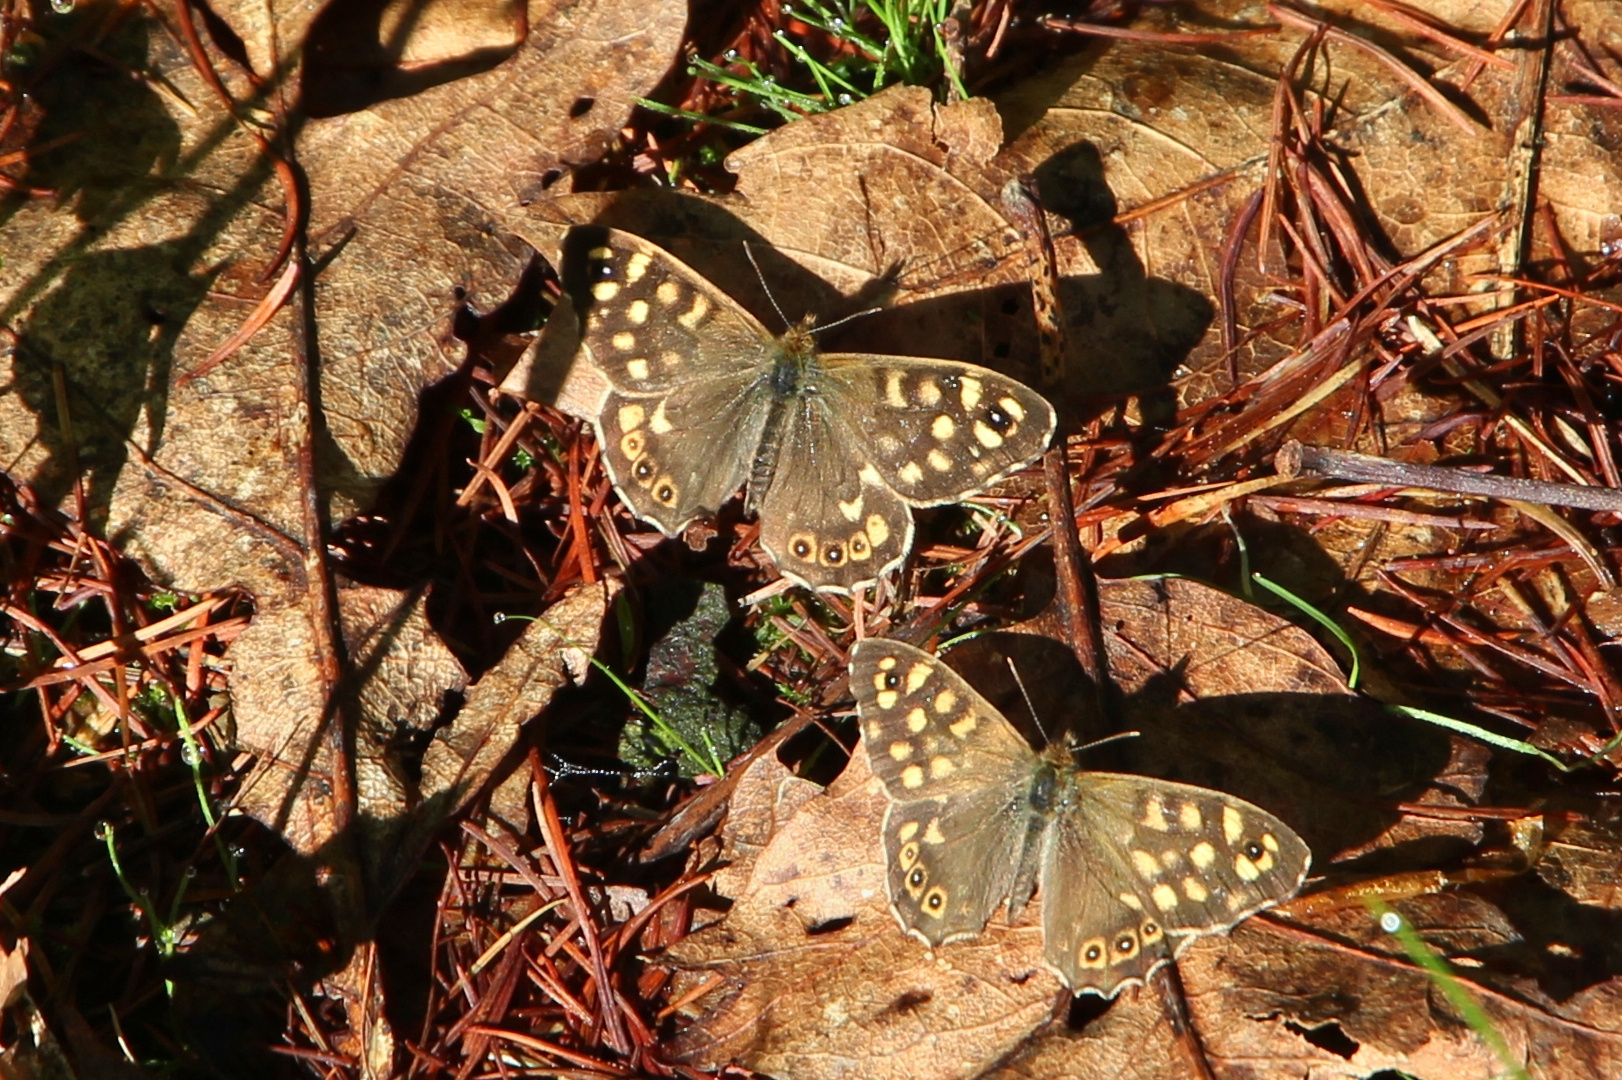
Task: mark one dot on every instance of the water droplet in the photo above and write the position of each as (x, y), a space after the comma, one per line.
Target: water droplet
(62, 7)
(730, 56)
(189, 754)
(1391, 922)
(844, 99)
(836, 24)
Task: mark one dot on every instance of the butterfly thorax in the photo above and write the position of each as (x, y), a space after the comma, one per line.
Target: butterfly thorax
(791, 379)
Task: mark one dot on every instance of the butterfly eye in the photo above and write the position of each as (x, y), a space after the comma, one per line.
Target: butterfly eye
(644, 470)
(1126, 944)
(833, 554)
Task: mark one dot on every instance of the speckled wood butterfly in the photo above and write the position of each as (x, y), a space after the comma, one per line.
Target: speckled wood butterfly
(1130, 868)
(692, 399)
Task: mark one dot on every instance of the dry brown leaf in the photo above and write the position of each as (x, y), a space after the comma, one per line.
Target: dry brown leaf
(141, 281)
(1182, 134)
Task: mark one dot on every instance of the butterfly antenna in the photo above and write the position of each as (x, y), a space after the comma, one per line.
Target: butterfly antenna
(1096, 743)
(1019, 682)
(846, 319)
(750, 251)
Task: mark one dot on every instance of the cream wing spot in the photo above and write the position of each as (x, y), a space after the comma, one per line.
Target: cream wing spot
(878, 530)
(908, 831)
(624, 341)
(637, 313)
(941, 767)
(1145, 864)
(1233, 825)
(916, 720)
(929, 391)
(986, 436)
(1131, 900)
(637, 369)
(969, 391)
(1247, 870)
(1169, 859)
(911, 473)
(912, 776)
(1154, 814)
(1189, 817)
(604, 291)
(886, 698)
(963, 725)
(917, 675)
(945, 701)
(1164, 896)
(600, 253)
(892, 390)
(938, 461)
(943, 428)
(695, 314)
(660, 424)
(667, 293)
(1202, 855)
(637, 266)
(1012, 407)
(851, 511)
(631, 416)
(933, 834)
(900, 751)
(1195, 890)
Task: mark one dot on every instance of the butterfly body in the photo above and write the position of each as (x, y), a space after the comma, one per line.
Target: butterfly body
(692, 398)
(1129, 868)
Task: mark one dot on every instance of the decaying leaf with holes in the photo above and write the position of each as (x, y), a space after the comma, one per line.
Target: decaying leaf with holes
(692, 398)
(1131, 868)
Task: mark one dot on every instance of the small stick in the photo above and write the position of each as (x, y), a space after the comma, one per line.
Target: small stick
(1294, 459)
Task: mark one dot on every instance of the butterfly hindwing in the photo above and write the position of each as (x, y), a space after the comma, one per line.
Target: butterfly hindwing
(829, 521)
(664, 477)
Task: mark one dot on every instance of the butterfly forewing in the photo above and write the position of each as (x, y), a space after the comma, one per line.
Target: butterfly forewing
(1130, 867)
(940, 749)
(937, 430)
(651, 323)
(929, 733)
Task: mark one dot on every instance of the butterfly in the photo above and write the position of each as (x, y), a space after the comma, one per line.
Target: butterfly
(692, 399)
(1130, 868)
